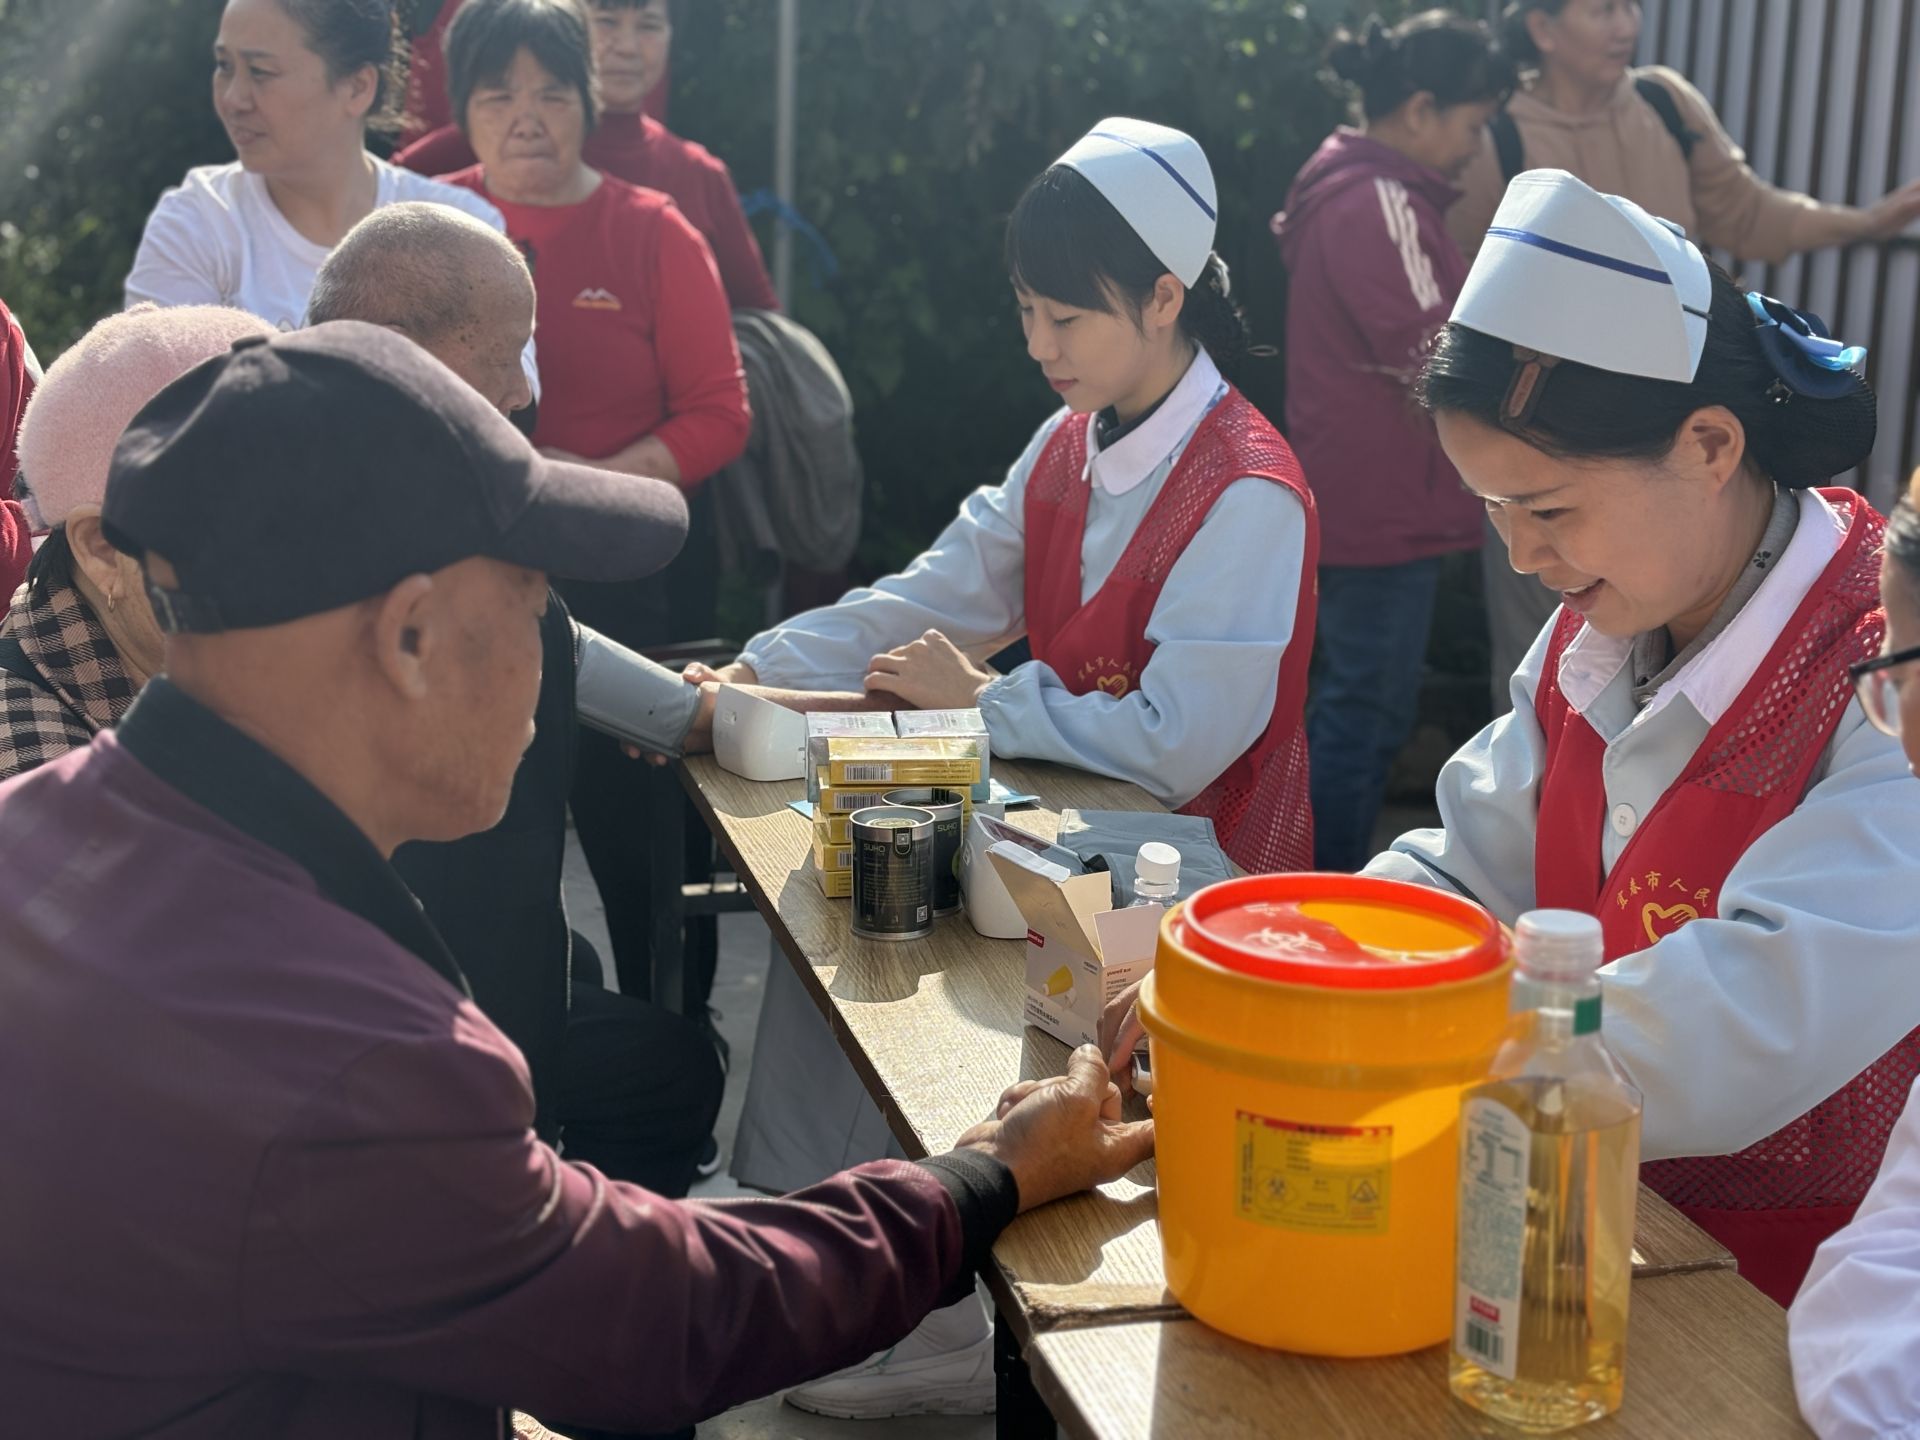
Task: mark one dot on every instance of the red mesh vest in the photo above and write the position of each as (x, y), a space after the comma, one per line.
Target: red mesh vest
(1774, 1202)
(1258, 804)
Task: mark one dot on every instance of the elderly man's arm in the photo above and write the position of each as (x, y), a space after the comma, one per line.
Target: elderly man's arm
(622, 693)
(411, 1229)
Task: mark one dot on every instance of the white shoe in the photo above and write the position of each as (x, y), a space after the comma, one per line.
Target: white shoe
(943, 1368)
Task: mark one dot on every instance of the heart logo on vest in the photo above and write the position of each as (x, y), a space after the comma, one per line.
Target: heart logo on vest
(1114, 685)
(1663, 920)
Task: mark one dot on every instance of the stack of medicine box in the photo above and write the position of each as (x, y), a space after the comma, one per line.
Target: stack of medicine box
(858, 773)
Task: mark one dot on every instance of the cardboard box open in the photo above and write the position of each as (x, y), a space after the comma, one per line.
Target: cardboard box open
(1081, 952)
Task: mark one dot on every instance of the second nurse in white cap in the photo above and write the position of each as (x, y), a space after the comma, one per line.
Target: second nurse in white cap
(1686, 759)
(1155, 543)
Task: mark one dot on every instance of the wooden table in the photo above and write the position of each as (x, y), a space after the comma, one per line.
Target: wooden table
(1706, 1358)
(934, 1028)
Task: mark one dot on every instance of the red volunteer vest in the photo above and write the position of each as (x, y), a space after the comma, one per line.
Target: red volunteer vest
(1774, 1202)
(1258, 804)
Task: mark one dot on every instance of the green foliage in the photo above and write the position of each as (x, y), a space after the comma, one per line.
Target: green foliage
(920, 122)
(103, 104)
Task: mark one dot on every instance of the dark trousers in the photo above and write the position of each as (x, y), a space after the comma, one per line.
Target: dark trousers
(623, 808)
(639, 1090)
(1369, 658)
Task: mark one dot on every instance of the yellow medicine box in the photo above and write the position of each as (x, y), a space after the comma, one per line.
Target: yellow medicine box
(835, 884)
(829, 855)
(928, 760)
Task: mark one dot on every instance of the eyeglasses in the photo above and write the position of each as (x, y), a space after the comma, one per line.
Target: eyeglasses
(1879, 692)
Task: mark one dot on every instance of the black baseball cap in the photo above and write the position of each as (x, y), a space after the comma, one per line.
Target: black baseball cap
(302, 472)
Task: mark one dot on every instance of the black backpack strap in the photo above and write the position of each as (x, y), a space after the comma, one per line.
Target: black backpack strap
(1506, 144)
(1668, 109)
(14, 662)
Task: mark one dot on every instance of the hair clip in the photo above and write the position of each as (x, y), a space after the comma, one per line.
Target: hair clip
(1528, 384)
(1806, 359)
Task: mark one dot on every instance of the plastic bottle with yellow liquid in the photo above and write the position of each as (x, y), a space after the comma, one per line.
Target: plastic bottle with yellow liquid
(1549, 1172)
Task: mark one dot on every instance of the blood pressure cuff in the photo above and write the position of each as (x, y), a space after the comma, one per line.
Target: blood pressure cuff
(1110, 839)
(623, 694)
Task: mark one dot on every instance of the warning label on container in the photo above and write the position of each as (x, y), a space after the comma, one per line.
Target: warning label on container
(1330, 1179)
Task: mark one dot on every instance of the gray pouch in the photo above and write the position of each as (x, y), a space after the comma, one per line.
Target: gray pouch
(1110, 839)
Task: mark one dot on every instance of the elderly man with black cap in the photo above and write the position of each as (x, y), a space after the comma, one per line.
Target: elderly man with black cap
(287, 1185)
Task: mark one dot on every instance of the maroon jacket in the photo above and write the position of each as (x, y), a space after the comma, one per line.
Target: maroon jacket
(268, 1172)
(1371, 279)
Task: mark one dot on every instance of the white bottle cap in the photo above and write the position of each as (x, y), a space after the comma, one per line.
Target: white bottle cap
(1559, 944)
(1157, 864)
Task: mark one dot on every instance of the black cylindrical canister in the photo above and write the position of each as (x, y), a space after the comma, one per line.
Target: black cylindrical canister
(948, 808)
(892, 872)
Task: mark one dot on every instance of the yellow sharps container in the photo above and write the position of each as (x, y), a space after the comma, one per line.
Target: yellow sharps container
(1311, 1035)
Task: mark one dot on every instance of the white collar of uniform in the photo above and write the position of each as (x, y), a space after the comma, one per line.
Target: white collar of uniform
(1126, 464)
(1714, 678)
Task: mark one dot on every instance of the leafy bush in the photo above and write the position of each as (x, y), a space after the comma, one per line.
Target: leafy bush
(103, 104)
(920, 122)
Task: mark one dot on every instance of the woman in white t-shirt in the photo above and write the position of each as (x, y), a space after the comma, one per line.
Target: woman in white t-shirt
(297, 83)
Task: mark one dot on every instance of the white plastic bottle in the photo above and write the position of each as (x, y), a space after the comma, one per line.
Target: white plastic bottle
(1156, 875)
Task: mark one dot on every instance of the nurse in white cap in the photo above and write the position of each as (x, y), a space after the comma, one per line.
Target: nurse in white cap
(1155, 543)
(1686, 759)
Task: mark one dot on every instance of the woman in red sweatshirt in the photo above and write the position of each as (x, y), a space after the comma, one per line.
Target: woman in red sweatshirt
(1372, 278)
(639, 371)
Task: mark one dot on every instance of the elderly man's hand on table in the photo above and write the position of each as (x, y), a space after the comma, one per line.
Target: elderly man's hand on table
(931, 673)
(1120, 1033)
(738, 673)
(1062, 1135)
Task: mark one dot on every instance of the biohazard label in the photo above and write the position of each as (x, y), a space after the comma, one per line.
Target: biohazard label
(1329, 1179)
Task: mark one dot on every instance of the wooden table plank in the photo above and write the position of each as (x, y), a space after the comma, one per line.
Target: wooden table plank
(1706, 1358)
(935, 1030)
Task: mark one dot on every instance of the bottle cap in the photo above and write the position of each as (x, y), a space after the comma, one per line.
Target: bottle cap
(1559, 944)
(1157, 864)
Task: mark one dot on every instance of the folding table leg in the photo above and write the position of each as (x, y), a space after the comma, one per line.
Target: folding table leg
(1019, 1412)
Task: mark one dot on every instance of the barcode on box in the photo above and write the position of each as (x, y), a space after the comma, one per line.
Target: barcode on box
(1486, 1343)
(869, 774)
(849, 801)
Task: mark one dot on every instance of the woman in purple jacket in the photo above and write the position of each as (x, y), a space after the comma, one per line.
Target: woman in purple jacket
(1372, 278)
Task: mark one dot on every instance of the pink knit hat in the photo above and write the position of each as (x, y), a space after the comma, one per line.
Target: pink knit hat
(92, 391)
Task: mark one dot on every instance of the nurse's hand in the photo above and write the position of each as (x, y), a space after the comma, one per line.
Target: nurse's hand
(1063, 1135)
(932, 673)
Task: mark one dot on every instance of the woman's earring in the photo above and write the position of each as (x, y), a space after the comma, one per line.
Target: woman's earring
(113, 597)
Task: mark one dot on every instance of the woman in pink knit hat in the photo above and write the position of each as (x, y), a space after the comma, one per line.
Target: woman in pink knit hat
(79, 639)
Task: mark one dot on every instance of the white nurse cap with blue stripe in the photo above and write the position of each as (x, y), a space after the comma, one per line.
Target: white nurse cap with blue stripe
(1574, 274)
(1159, 180)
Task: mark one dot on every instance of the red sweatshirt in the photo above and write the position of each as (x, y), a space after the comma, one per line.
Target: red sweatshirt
(641, 151)
(16, 388)
(427, 107)
(16, 549)
(634, 332)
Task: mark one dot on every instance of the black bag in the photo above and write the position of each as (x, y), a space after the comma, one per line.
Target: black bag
(1513, 154)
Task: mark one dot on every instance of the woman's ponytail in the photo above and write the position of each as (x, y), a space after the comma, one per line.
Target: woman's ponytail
(1437, 52)
(1212, 320)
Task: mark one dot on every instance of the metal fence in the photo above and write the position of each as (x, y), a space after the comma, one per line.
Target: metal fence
(1824, 96)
